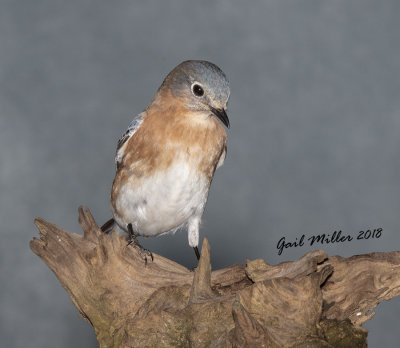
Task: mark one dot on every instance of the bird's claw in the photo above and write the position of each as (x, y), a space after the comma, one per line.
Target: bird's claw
(143, 252)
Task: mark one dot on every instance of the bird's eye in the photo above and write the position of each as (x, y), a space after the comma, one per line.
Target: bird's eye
(198, 91)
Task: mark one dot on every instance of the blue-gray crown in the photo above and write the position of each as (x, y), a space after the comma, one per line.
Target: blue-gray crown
(206, 74)
(201, 85)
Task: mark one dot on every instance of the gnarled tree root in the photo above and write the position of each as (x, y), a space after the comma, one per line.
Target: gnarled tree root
(315, 301)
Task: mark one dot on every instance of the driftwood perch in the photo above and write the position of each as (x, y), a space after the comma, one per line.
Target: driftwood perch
(315, 301)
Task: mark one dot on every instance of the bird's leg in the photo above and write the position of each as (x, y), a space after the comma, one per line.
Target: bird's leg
(193, 234)
(132, 240)
(196, 250)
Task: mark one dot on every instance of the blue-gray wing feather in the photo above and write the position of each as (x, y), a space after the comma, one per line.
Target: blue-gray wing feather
(132, 128)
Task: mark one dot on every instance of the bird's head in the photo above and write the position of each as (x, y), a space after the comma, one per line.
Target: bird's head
(202, 86)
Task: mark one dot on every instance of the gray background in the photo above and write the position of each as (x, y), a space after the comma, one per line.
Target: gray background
(313, 145)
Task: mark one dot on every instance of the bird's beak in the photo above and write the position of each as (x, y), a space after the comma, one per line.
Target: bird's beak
(221, 114)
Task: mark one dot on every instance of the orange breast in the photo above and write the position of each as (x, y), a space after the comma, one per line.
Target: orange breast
(170, 132)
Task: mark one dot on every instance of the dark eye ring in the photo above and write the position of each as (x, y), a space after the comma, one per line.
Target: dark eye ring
(198, 91)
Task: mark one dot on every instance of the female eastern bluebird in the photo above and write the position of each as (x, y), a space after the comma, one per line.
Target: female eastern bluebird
(167, 157)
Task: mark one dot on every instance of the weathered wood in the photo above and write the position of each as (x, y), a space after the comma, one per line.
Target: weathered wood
(316, 301)
(359, 283)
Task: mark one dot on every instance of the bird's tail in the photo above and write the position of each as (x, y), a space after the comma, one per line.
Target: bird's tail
(108, 226)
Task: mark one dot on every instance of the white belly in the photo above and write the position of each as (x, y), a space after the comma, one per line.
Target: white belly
(163, 202)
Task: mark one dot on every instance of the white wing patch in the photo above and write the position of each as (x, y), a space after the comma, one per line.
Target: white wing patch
(133, 127)
(221, 159)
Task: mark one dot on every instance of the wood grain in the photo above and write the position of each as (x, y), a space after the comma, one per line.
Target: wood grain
(316, 301)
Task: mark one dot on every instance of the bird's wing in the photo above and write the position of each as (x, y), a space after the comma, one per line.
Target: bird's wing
(133, 127)
(221, 158)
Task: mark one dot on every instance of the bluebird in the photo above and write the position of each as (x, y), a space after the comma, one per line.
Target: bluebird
(167, 157)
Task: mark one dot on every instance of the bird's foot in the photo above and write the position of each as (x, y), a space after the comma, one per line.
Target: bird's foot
(143, 252)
